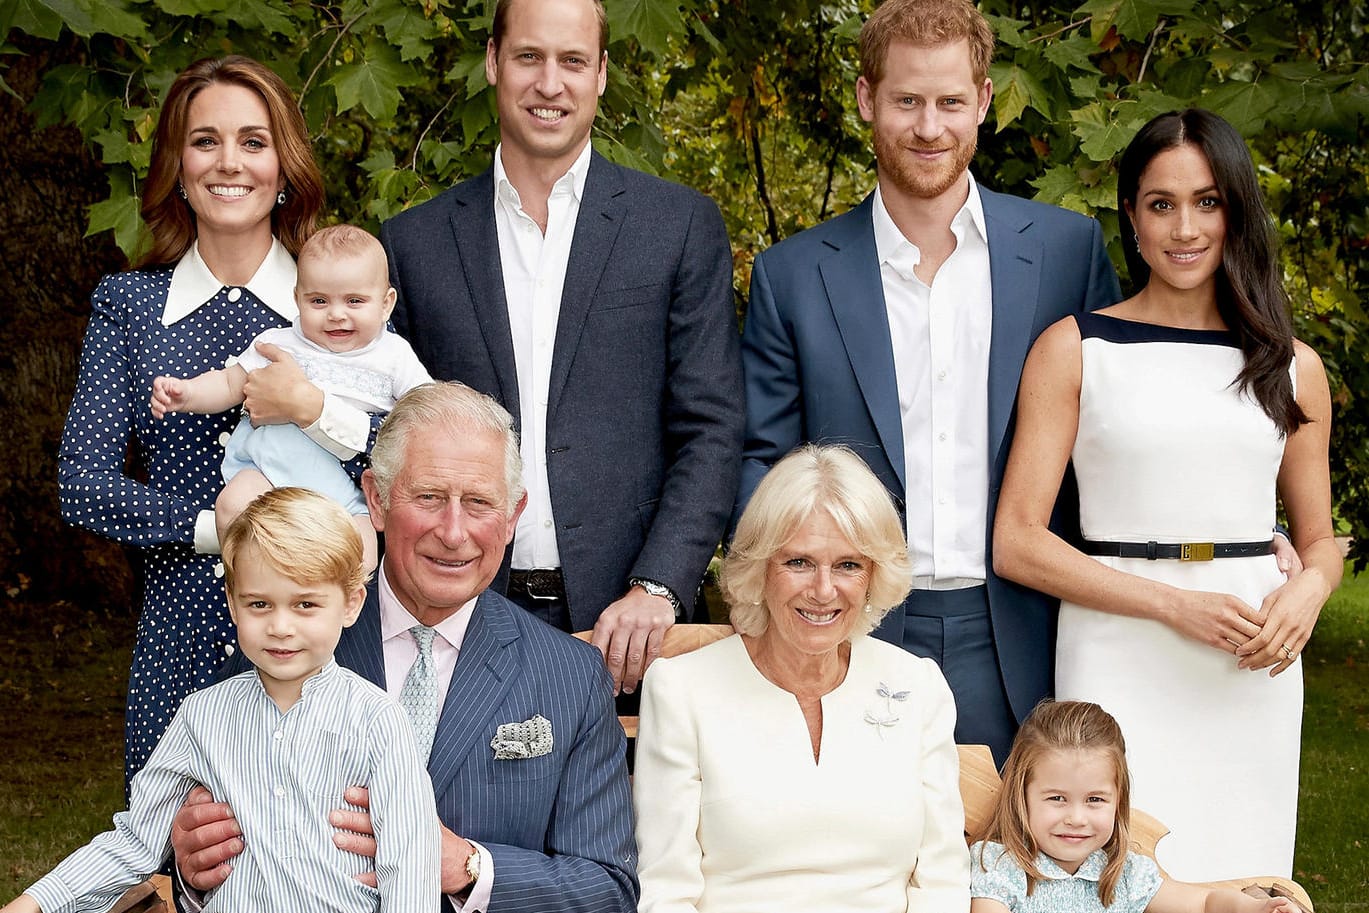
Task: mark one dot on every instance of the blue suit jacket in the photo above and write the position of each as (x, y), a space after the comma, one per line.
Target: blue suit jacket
(644, 412)
(819, 366)
(559, 826)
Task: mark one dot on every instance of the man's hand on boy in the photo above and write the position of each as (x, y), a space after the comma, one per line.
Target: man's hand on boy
(355, 835)
(205, 837)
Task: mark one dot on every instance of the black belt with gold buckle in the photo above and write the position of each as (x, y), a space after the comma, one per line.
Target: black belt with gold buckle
(539, 582)
(1178, 551)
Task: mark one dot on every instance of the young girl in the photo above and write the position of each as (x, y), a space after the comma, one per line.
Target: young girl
(1057, 841)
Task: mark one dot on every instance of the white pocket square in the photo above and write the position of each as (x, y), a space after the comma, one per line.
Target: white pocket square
(528, 739)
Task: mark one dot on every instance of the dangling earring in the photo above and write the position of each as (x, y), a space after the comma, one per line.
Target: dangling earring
(869, 608)
(280, 197)
(1136, 239)
(180, 188)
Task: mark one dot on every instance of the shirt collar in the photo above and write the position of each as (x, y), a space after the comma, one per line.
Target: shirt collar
(1091, 869)
(395, 619)
(889, 241)
(193, 285)
(319, 679)
(572, 181)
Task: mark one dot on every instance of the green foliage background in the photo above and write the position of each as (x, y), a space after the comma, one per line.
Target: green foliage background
(752, 102)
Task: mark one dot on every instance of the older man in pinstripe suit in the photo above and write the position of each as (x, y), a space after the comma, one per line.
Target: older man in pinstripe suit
(527, 757)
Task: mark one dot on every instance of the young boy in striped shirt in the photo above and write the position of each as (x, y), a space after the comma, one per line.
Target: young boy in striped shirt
(279, 743)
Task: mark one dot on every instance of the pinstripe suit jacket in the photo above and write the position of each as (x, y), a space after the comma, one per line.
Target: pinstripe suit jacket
(559, 827)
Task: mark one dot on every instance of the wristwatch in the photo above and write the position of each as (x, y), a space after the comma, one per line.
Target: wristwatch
(657, 589)
(473, 865)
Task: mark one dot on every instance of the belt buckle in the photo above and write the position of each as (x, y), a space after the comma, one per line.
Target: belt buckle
(1195, 551)
(541, 585)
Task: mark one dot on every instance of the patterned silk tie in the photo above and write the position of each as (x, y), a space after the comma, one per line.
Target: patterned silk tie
(419, 696)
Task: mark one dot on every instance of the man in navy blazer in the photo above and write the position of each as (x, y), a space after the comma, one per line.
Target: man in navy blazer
(595, 303)
(900, 328)
(544, 825)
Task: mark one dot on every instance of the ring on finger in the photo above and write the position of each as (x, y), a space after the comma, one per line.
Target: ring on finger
(1287, 651)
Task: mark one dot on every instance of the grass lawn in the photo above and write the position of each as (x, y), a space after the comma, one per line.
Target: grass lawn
(63, 734)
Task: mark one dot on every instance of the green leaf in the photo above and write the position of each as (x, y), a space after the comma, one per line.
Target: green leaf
(1104, 130)
(1245, 104)
(1058, 182)
(112, 17)
(1015, 90)
(1071, 52)
(259, 14)
(652, 23)
(34, 17)
(118, 213)
(1010, 32)
(470, 70)
(1134, 19)
(373, 81)
(406, 26)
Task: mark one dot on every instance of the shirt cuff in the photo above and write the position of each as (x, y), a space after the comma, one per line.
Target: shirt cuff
(478, 898)
(206, 533)
(341, 429)
(187, 898)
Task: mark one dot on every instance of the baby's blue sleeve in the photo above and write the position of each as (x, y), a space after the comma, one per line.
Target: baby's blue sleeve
(994, 875)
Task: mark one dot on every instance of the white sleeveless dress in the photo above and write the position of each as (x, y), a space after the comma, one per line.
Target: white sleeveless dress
(1168, 450)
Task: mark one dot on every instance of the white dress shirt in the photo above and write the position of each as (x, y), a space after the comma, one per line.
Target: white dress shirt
(399, 650)
(940, 334)
(534, 269)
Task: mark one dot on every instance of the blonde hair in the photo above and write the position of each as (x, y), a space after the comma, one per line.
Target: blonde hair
(924, 23)
(300, 533)
(342, 241)
(1060, 726)
(456, 409)
(816, 477)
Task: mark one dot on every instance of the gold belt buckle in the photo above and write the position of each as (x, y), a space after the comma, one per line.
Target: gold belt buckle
(1195, 551)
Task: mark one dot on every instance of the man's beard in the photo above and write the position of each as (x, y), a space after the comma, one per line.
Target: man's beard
(915, 178)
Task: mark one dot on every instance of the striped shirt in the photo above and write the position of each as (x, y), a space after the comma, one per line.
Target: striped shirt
(281, 773)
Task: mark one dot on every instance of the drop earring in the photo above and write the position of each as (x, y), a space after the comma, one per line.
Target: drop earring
(280, 198)
(1136, 239)
(180, 188)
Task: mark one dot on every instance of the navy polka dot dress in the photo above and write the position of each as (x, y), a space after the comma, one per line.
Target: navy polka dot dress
(184, 632)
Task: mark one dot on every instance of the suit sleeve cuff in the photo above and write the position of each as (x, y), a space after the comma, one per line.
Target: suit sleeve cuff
(341, 429)
(206, 533)
(477, 899)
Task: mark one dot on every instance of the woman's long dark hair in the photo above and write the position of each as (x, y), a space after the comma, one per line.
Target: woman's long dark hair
(1250, 293)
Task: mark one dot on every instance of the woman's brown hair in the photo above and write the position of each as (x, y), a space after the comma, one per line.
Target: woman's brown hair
(170, 221)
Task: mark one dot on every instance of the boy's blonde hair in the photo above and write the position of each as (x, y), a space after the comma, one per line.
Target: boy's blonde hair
(301, 534)
(1060, 726)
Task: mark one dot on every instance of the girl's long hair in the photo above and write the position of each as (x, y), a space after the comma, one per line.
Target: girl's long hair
(1060, 726)
(1250, 294)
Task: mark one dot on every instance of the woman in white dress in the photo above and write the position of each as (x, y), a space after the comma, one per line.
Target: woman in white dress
(1187, 410)
(800, 764)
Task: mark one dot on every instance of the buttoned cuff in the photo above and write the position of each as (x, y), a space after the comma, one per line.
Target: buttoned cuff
(206, 533)
(341, 429)
(478, 899)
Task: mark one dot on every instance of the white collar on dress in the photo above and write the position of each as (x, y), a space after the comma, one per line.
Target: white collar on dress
(193, 285)
(1091, 869)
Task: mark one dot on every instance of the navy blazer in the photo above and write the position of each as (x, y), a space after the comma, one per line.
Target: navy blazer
(559, 826)
(645, 406)
(819, 366)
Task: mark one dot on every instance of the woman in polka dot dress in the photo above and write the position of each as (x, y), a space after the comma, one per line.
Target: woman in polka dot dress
(232, 193)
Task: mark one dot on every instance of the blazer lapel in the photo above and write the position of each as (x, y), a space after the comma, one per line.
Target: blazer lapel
(477, 244)
(856, 295)
(359, 646)
(1015, 271)
(485, 668)
(596, 227)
